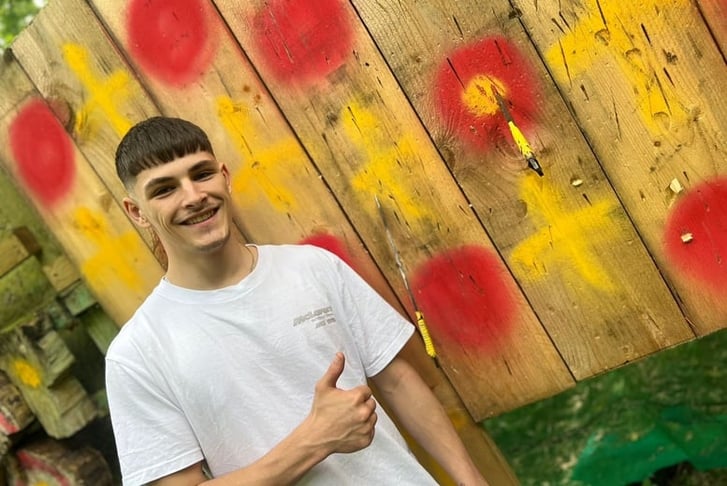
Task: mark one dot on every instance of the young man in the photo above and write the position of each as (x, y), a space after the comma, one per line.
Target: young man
(254, 360)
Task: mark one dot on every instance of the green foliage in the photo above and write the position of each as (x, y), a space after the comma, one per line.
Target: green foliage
(621, 427)
(15, 15)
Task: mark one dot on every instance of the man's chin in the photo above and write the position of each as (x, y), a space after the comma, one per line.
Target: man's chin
(214, 245)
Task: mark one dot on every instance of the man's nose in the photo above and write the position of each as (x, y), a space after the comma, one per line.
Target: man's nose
(193, 194)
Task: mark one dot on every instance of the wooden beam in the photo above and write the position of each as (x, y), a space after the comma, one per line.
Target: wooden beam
(51, 463)
(77, 298)
(23, 289)
(15, 248)
(61, 273)
(15, 414)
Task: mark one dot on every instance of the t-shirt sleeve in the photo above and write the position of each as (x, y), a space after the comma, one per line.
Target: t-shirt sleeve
(153, 438)
(379, 330)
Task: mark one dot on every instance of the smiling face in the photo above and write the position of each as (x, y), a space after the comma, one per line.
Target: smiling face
(187, 204)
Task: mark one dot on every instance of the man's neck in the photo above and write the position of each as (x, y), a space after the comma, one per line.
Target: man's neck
(214, 270)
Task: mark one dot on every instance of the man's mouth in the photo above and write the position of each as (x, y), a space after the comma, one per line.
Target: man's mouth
(200, 217)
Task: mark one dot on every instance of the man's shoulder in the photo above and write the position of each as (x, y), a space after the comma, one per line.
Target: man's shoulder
(302, 253)
(133, 331)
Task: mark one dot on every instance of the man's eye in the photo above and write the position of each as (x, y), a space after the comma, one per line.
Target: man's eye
(161, 191)
(205, 174)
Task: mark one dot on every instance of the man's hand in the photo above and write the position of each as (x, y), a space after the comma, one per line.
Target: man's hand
(343, 420)
(339, 421)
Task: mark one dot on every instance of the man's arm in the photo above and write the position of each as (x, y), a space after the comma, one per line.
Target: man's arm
(419, 411)
(339, 421)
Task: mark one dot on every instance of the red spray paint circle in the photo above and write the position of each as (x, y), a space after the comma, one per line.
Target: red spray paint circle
(43, 152)
(303, 41)
(464, 94)
(467, 297)
(695, 235)
(330, 243)
(170, 39)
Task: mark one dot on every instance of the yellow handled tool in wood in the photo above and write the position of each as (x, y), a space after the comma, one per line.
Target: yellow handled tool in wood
(517, 135)
(421, 324)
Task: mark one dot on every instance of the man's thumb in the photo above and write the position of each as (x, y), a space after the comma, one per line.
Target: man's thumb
(330, 377)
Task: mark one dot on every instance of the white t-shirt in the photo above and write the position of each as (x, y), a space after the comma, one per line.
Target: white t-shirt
(225, 375)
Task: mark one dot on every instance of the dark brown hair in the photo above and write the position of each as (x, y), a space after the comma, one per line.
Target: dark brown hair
(155, 141)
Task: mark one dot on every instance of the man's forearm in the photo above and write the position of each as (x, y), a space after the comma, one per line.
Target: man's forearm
(419, 411)
(284, 464)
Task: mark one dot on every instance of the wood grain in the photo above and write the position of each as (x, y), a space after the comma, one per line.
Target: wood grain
(565, 236)
(646, 90)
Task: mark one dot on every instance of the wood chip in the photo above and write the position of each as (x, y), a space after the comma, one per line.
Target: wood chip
(687, 237)
(675, 186)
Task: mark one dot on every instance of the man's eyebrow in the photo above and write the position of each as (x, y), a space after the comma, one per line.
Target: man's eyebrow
(203, 163)
(164, 180)
(157, 182)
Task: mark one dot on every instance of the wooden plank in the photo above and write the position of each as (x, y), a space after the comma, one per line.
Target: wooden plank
(277, 187)
(61, 273)
(15, 248)
(364, 138)
(565, 236)
(647, 89)
(114, 261)
(715, 15)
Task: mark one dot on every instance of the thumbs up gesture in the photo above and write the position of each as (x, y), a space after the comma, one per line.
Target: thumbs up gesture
(344, 420)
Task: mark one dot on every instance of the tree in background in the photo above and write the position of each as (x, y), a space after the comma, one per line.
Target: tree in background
(15, 15)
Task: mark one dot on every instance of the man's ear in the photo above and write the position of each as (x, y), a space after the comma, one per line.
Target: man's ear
(133, 211)
(226, 174)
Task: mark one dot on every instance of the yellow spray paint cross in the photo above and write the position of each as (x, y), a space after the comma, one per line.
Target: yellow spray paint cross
(604, 32)
(113, 261)
(385, 160)
(268, 169)
(565, 242)
(104, 94)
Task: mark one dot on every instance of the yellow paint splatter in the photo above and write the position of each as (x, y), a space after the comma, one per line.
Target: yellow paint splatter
(116, 257)
(103, 94)
(479, 98)
(604, 33)
(26, 373)
(268, 170)
(566, 241)
(386, 160)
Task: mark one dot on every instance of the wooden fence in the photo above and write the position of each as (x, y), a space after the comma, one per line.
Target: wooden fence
(528, 283)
